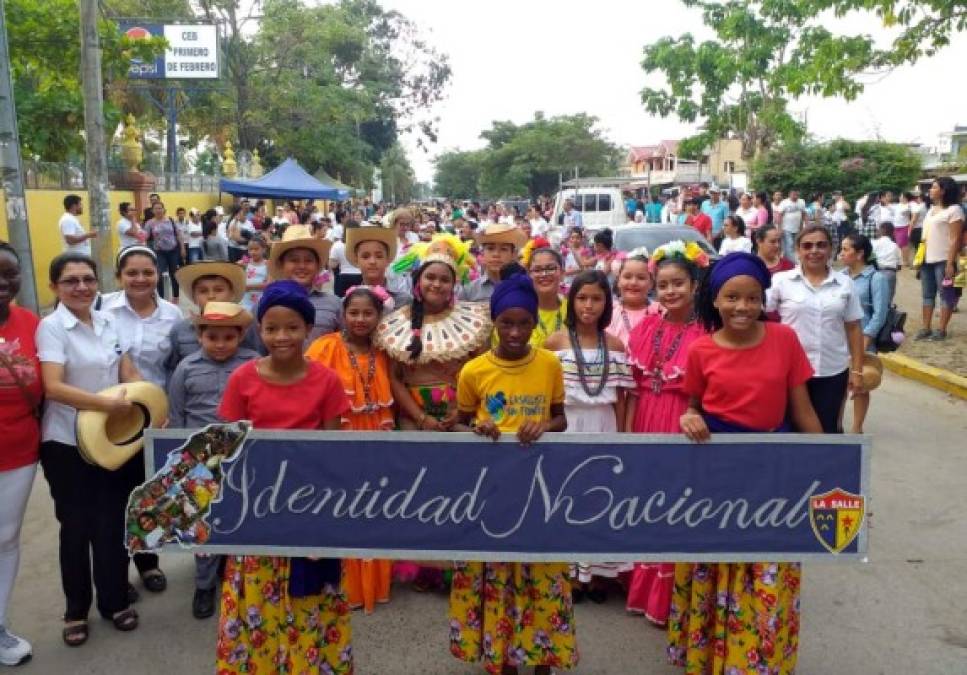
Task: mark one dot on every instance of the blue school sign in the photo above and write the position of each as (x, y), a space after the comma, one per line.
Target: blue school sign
(587, 497)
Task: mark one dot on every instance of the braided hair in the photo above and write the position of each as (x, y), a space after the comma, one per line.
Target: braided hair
(415, 348)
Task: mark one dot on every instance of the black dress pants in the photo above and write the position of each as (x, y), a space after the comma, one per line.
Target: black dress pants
(89, 503)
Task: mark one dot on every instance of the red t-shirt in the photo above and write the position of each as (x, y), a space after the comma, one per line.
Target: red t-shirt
(749, 387)
(306, 404)
(702, 223)
(19, 428)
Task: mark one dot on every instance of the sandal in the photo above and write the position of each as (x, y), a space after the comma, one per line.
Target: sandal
(125, 620)
(154, 580)
(75, 633)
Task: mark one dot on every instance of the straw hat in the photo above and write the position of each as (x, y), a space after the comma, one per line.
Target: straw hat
(111, 440)
(388, 236)
(232, 273)
(298, 236)
(223, 314)
(502, 233)
(872, 371)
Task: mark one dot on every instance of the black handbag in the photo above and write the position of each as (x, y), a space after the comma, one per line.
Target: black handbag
(895, 321)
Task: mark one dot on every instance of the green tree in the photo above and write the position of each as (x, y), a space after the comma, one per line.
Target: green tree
(855, 167)
(332, 85)
(44, 43)
(457, 174)
(765, 53)
(926, 25)
(529, 159)
(398, 176)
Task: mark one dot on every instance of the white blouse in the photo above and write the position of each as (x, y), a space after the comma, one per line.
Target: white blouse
(91, 357)
(148, 338)
(818, 314)
(619, 376)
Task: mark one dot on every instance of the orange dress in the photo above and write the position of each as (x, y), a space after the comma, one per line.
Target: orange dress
(365, 582)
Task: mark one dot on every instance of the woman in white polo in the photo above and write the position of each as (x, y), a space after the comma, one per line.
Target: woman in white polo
(821, 305)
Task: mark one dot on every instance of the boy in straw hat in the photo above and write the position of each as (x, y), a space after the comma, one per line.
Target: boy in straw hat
(500, 243)
(205, 281)
(194, 392)
(300, 257)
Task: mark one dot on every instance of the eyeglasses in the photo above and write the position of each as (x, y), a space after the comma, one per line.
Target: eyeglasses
(810, 245)
(545, 271)
(75, 282)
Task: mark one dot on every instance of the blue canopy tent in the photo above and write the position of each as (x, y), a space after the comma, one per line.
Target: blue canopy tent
(286, 181)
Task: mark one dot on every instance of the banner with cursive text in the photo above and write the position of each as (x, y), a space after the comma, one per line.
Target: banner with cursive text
(568, 497)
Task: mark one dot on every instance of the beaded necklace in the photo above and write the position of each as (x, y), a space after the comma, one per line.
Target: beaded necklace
(367, 382)
(582, 365)
(657, 370)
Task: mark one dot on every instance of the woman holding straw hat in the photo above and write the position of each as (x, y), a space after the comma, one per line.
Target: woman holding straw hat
(82, 352)
(873, 289)
(146, 320)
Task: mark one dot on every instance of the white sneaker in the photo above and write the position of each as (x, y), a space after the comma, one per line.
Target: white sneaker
(14, 650)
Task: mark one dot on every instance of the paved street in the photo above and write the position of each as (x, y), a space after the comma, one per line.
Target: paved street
(902, 613)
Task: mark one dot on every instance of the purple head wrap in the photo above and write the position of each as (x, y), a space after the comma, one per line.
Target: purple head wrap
(738, 264)
(289, 294)
(515, 291)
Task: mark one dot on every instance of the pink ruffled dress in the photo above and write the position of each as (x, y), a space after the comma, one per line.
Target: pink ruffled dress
(661, 402)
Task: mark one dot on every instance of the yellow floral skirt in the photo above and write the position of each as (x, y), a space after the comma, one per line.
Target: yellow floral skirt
(512, 614)
(263, 630)
(735, 618)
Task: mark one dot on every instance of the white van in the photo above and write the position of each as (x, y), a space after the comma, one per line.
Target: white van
(600, 207)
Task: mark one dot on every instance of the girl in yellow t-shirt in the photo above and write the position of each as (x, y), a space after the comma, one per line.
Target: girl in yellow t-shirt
(513, 614)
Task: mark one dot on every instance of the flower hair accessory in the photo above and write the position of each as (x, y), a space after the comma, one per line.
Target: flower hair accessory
(690, 253)
(530, 247)
(378, 291)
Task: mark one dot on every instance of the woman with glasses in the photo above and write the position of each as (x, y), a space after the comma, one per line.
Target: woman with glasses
(822, 306)
(81, 352)
(546, 269)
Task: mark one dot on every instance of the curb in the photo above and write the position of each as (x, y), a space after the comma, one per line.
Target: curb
(929, 375)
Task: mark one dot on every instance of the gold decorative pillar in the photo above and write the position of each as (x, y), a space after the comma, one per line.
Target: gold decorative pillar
(131, 151)
(256, 168)
(229, 167)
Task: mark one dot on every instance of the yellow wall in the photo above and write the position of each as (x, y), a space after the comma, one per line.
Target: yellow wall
(45, 207)
(726, 150)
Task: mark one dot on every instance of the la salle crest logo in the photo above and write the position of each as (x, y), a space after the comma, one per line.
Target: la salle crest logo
(836, 517)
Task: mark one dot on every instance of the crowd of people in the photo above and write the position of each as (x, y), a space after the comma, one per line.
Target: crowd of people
(438, 320)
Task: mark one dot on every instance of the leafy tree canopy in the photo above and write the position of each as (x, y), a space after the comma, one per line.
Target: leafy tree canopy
(44, 43)
(457, 174)
(528, 159)
(768, 52)
(854, 167)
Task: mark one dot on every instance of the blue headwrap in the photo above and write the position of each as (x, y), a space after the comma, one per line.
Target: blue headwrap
(289, 294)
(738, 264)
(515, 291)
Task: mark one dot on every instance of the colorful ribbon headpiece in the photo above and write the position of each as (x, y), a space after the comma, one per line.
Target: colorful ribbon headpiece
(384, 297)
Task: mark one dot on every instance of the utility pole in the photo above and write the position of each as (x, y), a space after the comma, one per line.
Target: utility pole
(11, 176)
(96, 150)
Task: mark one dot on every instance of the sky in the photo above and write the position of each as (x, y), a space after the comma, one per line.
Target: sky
(511, 58)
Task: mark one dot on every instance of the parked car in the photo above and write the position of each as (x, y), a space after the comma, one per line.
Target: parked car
(651, 236)
(600, 207)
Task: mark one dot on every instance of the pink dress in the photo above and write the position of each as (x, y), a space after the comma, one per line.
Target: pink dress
(623, 321)
(661, 402)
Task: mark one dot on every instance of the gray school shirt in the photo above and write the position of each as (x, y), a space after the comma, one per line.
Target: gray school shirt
(195, 388)
(184, 341)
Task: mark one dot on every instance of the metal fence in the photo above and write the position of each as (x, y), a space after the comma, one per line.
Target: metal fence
(71, 176)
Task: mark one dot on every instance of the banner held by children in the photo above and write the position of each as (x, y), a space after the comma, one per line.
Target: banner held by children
(589, 497)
